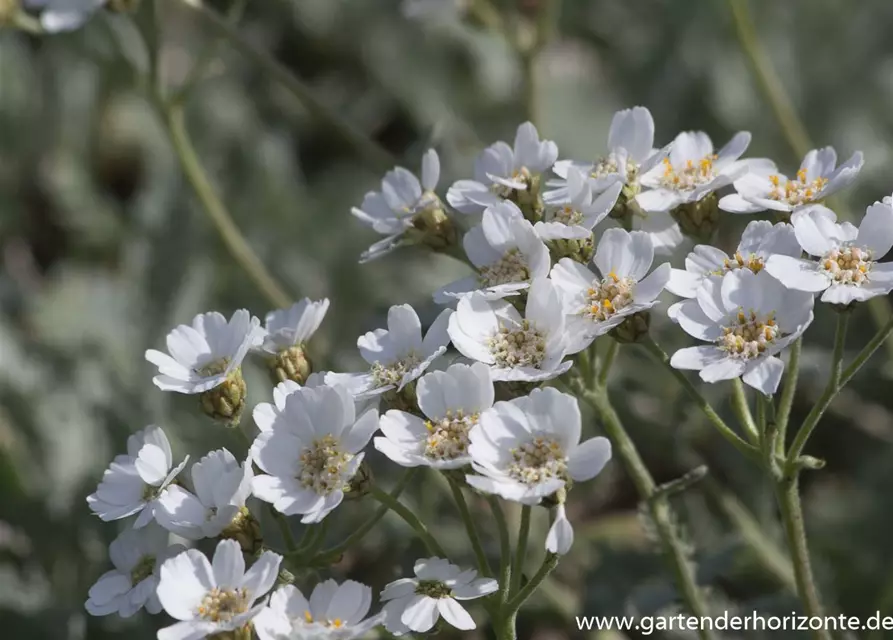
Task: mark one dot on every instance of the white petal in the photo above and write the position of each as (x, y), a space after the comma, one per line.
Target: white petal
(765, 376)
(696, 357)
(795, 273)
(420, 614)
(560, 538)
(430, 170)
(876, 230)
(455, 614)
(262, 575)
(588, 459)
(228, 564)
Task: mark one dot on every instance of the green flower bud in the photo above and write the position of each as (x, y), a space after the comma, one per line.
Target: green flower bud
(291, 364)
(245, 530)
(626, 208)
(226, 401)
(530, 200)
(361, 483)
(698, 220)
(577, 250)
(403, 400)
(433, 228)
(633, 329)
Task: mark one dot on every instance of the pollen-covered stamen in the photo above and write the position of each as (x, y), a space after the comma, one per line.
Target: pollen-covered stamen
(143, 569)
(753, 262)
(798, 191)
(511, 267)
(610, 165)
(388, 374)
(522, 175)
(222, 605)
(433, 589)
(448, 437)
(520, 345)
(689, 176)
(335, 623)
(608, 296)
(567, 215)
(848, 265)
(748, 335)
(324, 466)
(536, 461)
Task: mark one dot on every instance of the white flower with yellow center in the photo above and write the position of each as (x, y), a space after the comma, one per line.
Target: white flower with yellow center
(310, 451)
(221, 485)
(415, 604)
(451, 400)
(209, 598)
(529, 348)
(748, 318)
(506, 252)
(334, 612)
(846, 263)
(501, 171)
(293, 327)
(133, 483)
(203, 355)
(575, 216)
(529, 448)
(760, 240)
(397, 355)
(765, 188)
(137, 555)
(692, 171)
(596, 303)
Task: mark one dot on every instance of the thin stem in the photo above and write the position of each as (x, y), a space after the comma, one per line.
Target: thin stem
(831, 389)
(724, 429)
(473, 534)
(340, 127)
(607, 361)
(215, 209)
(742, 410)
(411, 519)
(548, 565)
(521, 548)
(792, 374)
(761, 414)
(285, 530)
(505, 550)
(867, 351)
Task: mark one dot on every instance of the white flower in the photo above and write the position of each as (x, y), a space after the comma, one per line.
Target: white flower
(760, 240)
(530, 349)
(749, 318)
(293, 327)
(204, 354)
(136, 555)
(575, 216)
(595, 304)
(221, 487)
(500, 171)
(528, 448)
(334, 612)
(452, 400)
(765, 188)
(390, 212)
(311, 450)
(847, 269)
(415, 604)
(507, 253)
(64, 15)
(692, 170)
(397, 355)
(213, 597)
(133, 482)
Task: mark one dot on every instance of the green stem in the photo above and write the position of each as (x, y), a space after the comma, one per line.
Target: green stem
(285, 530)
(411, 519)
(607, 362)
(742, 410)
(792, 374)
(660, 355)
(473, 534)
(341, 128)
(521, 548)
(548, 565)
(505, 550)
(867, 351)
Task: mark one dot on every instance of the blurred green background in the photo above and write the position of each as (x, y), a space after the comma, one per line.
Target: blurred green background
(103, 248)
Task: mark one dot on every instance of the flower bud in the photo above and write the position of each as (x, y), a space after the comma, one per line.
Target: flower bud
(245, 530)
(633, 329)
(577, 250)
(530, 200)
(626, 207)
(291, 364)
(402, 400)
(361, 483)
(698, 220)
(433, 228)
(226, 401)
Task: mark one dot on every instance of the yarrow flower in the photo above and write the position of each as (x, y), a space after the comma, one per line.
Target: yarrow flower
(310, 450)
(528, 349)
(528, 449)
(507, 253)
(286, 334)
(415, 604)
(210, 598)
(748, 318)
(847, 267)
(137, 555)
(505, 173)
(452, 400)
(221, 485)
(574, 216)
(595, 304)
(334, 612)
(765, 188)
(133, 483)
(398, 355)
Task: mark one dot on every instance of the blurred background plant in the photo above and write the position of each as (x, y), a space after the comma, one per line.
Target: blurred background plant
(104, 247)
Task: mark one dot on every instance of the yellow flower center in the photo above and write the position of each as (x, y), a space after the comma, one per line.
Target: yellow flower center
(609, 166)
(521, 346)
(608, 296)
(567, 215)
(848, 265)
(536, 461)
(753, 262)
(387, 374)
(749, 335)
(222, 605)
(448, 437)
(690, 175)
(336, 623)
(518, 175)
(797, 191)
(511, 267)
(323, 465)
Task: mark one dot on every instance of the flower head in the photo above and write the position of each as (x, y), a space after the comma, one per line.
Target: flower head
(846, 267)
(529, 448)
(748, 318)
(334, 612)
(285, 339)
(596, 303)
(763, 187)
(415, 604)
(209, 598)
(137, 555)
(310, 451)
(529, 348)
(574, 216)
(452, 401)
(133, 483)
